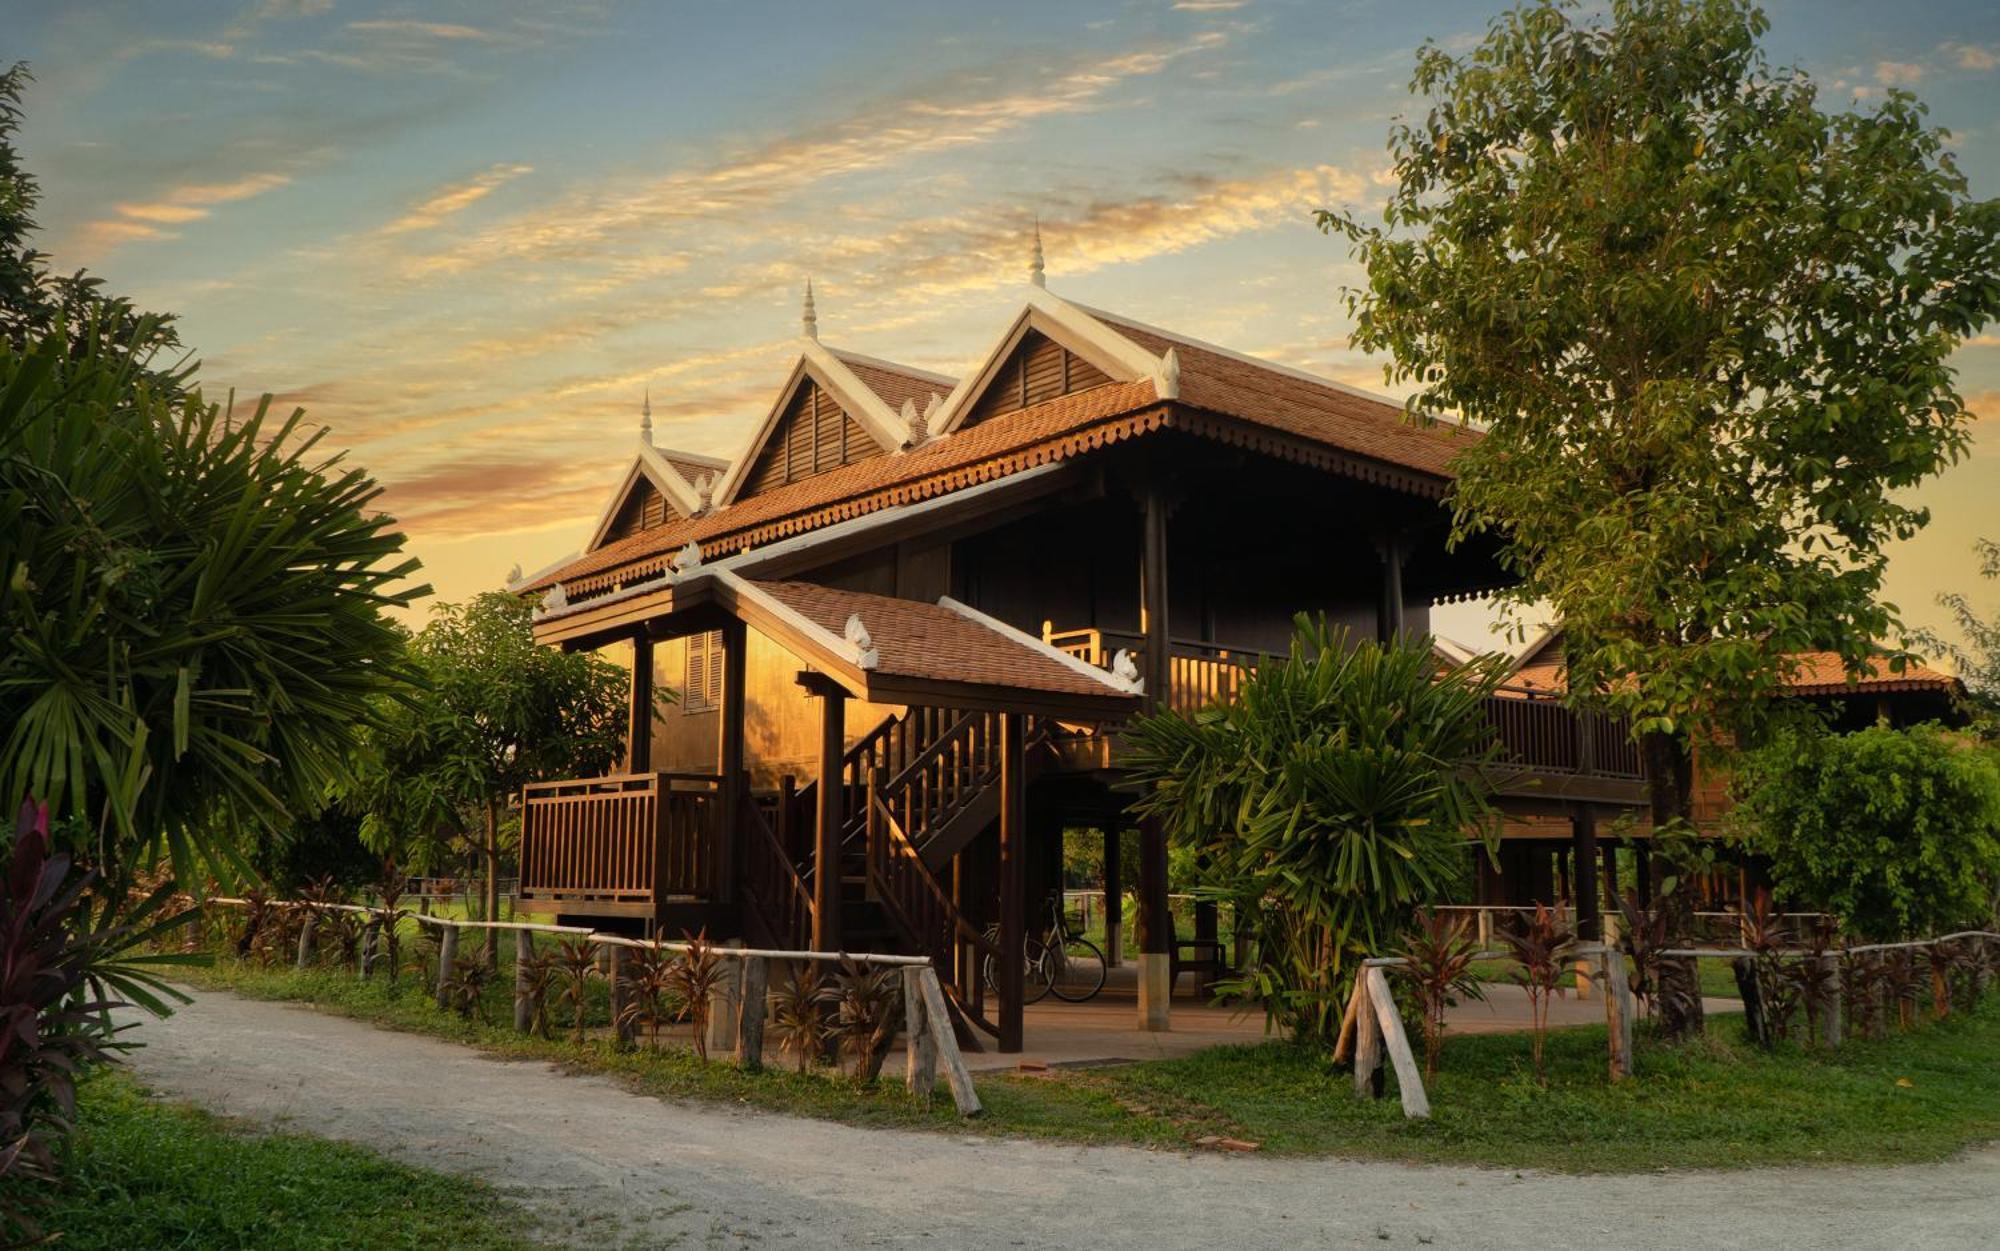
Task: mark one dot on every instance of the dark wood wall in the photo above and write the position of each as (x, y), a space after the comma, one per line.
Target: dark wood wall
(1038, 369)
(813, 435)
(643, 509)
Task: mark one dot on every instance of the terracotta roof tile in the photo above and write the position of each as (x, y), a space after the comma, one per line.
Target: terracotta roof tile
(895, 383)
(1296, 404)
(929, 641)
(1039, 435)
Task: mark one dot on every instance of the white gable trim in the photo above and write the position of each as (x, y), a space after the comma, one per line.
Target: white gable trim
(652, 463)
(1117, 684)
(1069, 325)
(866, 408)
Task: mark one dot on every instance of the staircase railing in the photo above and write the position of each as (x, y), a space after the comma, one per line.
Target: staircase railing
(953, 771)
(924, 911)
(776, 892)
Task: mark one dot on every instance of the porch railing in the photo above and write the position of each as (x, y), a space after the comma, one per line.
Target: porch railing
(1542, 735)
(627, 839)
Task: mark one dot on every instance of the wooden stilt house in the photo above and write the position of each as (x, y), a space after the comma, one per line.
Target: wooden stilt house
(908, 619)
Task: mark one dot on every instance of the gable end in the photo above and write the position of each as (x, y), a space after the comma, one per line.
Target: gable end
(813, 435)
(1038, 369)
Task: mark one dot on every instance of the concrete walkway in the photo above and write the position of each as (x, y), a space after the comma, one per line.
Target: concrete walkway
(605, 1167)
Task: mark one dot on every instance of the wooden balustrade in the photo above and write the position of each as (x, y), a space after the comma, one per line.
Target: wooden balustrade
(1199, 673)
(629, 839)
(924, 911)
(775, 890)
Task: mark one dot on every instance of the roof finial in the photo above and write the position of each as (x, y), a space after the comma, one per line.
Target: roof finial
(1035, 274)
(811, 317)
(646, 418)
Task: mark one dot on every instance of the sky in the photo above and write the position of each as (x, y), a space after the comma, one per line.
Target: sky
(470, 237)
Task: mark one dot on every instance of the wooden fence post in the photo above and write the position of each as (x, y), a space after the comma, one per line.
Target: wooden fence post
(447, 956)
(1826, 984)
(370, 936)
(939, 1024)
(1367, 1040)
(524, 1010)
(621, 997)
(1618, 1008)
(750, 1012)
(1409, 1078)
(920, 1073)
(723, 1001)
(306, 941)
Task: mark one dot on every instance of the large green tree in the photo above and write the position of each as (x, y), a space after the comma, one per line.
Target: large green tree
(1977, 658)
(1704, 324)
(1897, 832)
(1325, 802)
(36, 302)
(193, 610)
(497, 712)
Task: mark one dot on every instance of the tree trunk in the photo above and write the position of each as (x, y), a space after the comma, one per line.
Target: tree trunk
(1670, 791)
(489, 896)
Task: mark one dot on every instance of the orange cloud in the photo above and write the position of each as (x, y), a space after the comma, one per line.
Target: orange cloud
(455, 199)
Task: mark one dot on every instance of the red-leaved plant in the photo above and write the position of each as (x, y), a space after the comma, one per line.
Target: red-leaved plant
(1541, 947)
(1437, 960)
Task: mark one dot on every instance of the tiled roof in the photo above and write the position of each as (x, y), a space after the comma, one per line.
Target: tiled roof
(913, 639)
(1822, 673)
(1297, 404)
(895, 383)
(1033, 436)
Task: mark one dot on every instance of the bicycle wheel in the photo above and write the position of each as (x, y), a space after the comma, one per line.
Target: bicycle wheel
(1080, 971)
(1037, 972)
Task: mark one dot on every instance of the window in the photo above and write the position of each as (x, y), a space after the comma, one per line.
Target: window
(702, 689)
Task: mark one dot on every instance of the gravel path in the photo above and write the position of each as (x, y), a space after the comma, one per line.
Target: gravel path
(606, 1167)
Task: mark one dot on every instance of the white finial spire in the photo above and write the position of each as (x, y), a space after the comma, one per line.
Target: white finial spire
(811, 317)
(646, 418)
(1035, 274)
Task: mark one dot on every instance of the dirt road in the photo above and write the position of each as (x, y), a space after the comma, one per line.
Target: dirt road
(605, 1167)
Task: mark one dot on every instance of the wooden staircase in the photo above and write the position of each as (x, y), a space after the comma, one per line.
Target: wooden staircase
(918, 790)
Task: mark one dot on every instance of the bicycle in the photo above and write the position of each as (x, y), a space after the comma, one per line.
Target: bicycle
(1061, 961)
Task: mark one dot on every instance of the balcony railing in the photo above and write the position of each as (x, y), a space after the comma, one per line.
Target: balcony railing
(629, 840)
(1540, 736)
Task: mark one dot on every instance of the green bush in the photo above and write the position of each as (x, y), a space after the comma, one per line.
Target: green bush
(1325, 803)
(1895, 831)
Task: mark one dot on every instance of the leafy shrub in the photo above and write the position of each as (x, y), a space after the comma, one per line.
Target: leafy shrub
(1325, 802)
(1541, 948)
(693, 978)
(867, 1005)
(1897, 832)
(798, 1013)
(1437, 962)
(576, 960)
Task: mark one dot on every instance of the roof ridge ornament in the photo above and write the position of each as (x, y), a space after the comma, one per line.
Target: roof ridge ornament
(863, 644)
(1126, 669)
(1167, 380)
(1036, 271)
(646, 418)
(704, 488)
(809, 319)
(689, 558)
(914, 424)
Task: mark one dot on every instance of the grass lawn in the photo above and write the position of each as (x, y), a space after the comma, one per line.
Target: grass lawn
(149, 1174)
(1718, 1102)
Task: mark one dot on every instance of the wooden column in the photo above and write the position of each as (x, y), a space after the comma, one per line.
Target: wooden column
(1114, 898)
(1156, 930)
(1583, 873)
(826, 833)
(639, 711)
(729, 754)
(1389, 605)
(1013, 876)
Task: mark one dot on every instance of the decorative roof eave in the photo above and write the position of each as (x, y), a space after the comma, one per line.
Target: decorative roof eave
(1117, 356)
(854, 396)
(650, 462)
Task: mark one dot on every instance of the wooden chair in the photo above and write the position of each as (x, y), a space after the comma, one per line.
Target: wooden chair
(1206, 956)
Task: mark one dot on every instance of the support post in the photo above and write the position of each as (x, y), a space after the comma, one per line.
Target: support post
(1583, 886)
(447, 956)
(826, 833)
(622, 1025)
(1826, 984)
(1389, 1022)
(1114, 898)
(750, 1012)
(939, 1025)
(1618, 1010)
(371, 937)
(729, 755)
(920, 1071)
(1389, 606)
(639, 712)
(307, 933)
(724, 1002)
(1156, 927)
(1367, 1040)
(1013, 877)
(524, 1008)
